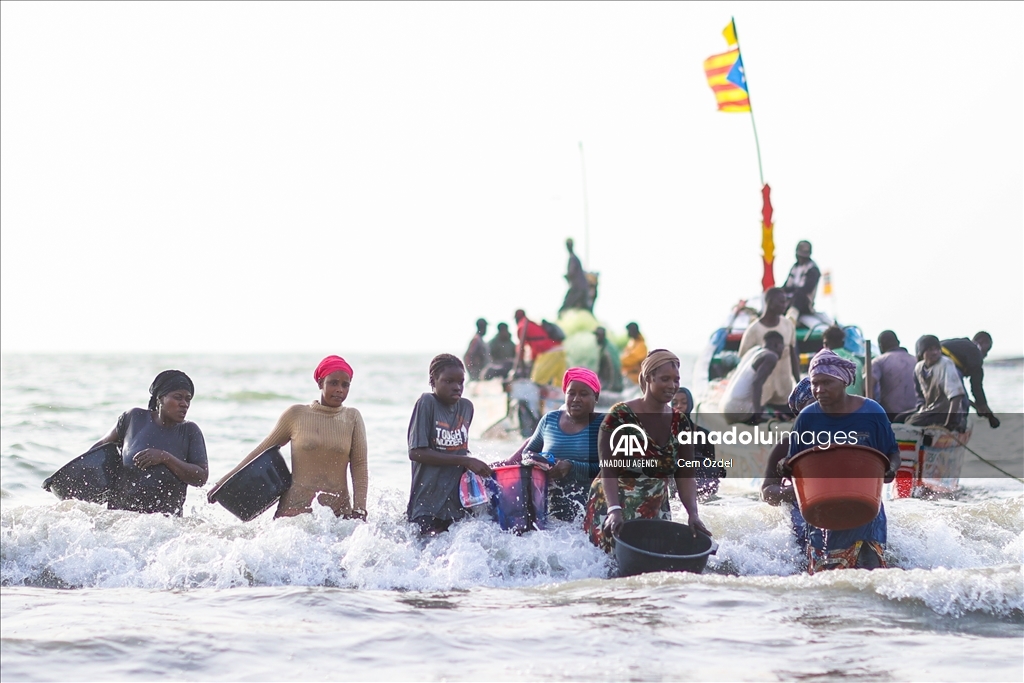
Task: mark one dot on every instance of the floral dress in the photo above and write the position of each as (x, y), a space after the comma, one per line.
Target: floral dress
(643, 493)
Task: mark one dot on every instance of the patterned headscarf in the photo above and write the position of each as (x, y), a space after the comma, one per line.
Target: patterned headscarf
(801, 397)
(826, 362)
(655, 359)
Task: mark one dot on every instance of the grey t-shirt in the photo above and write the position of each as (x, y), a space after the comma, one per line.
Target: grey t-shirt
(435, 488)
(155, 489)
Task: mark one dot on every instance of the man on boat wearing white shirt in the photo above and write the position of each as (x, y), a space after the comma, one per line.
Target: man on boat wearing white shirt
(787, 372)
(742, 400)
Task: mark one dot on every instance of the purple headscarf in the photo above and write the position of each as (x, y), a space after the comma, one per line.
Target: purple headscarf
(826, 362)
(801, 396)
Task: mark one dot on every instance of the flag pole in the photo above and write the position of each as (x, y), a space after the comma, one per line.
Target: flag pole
(757, 143)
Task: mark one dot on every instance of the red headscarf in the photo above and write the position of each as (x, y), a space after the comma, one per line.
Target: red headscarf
(329, 365)
(588, 377)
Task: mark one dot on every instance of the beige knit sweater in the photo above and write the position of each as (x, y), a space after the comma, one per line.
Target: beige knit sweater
(326, 443)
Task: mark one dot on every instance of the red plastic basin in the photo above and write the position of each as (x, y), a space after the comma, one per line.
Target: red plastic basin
(839, 487)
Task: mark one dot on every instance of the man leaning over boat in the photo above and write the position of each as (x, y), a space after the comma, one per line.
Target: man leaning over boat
(786, 374)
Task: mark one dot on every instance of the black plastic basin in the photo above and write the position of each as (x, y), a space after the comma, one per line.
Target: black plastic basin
(88, 477)
(253, 489)
(657, 545)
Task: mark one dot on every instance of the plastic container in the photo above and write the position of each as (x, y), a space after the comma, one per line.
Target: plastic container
(839, 487)
(90, 477)
(253, 489)
(658, 545)
(519, 498)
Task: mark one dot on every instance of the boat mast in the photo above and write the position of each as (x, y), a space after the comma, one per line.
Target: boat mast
(586, 211)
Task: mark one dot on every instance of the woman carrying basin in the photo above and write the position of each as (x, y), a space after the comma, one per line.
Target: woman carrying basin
(837, 413)
(636, 484)
(328, 443)
(570, 435)
(162, 452)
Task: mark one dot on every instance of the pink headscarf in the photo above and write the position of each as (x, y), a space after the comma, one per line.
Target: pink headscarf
(329, 365)
(588, 377)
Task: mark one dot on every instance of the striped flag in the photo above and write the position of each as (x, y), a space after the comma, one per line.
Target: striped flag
(727, 80)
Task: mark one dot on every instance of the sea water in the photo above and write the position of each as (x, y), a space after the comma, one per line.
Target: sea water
(89, 593)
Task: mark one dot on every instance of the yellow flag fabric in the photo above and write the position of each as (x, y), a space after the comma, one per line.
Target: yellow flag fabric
(730, 33)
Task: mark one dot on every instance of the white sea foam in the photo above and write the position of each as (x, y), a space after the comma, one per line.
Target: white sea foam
(952, 557)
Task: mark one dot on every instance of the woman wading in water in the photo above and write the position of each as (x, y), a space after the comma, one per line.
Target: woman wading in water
(641, 491)
(328, 442)
(162, 452)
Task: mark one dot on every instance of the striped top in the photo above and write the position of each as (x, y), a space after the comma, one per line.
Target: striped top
(579, 449)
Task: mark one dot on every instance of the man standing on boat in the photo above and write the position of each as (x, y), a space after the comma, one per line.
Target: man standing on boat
(578, 295)
(786, 374)
(802, 283)
(968, 356)
(892, 375)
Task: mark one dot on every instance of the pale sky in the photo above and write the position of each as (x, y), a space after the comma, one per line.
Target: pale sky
(250, 177)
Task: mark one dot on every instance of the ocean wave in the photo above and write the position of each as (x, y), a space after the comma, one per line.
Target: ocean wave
(954, 559)
(74, 544)
(996, 591)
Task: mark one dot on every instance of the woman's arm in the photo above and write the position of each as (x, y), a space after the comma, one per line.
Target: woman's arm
(688, 495)
(610, 483)
(774, 490)
(516, 458)
(687, 487)
(281, 435)
(193, 475)
(358, 467)
(111, 437)
(116, 435)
